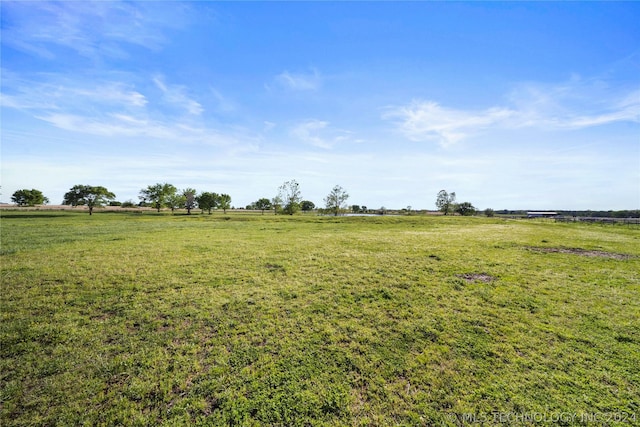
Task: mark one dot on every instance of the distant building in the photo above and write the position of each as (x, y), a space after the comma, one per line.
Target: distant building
(541, 214)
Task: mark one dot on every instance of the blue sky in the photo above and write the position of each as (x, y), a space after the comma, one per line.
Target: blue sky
(511, 105)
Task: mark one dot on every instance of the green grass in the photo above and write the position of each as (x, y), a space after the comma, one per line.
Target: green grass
(271, 320)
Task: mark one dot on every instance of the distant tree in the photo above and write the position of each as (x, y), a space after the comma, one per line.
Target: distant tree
(189, 199)
(382, 210)
(175, 201)
(355, 209)
(157, 195)
(489, 212)
(207, 201)
(445, 201)
(307, 206)
(29, 198)
(465, 209)
(276, 204)
(73, 197)
(289, 193)
(263, 204)
(87, 195)
(335, 200)
(128, 204)
(224, 202)
(363, 209)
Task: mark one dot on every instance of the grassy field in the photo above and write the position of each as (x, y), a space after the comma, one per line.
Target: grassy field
(238, 319)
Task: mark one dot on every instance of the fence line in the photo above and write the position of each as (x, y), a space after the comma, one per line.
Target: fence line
(599, 220)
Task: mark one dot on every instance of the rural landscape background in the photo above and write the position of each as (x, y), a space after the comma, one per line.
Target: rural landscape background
(512, 105)
(204, 271)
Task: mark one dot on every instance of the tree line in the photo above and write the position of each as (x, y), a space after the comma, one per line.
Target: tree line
(446, 203)
(288, 200)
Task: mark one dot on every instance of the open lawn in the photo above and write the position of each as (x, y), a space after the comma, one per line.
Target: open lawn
(241, 319)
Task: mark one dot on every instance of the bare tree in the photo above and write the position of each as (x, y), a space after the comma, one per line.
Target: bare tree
(445, 201)
(190, 199)
(289, 193)
(336, 200)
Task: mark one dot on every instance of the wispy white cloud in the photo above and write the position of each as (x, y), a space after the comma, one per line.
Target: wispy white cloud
(427, 120)
(55, 92)
(626, 109)
(116, 93)
(112, 125)
(570, 106)
(299, 81)
(268, 126)
(319, 134)
(223, 103)
(117, 125)
(308, 132)
(575, 104)
(117, 109)
(92, 29)
(176, 95)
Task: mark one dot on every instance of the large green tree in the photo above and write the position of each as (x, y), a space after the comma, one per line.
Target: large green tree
(307, 205)
(336, 200)
(207, 201)
(289, 193)
(465, 209)
(445, 201)
(176, 201)
(29, 197)
(263, 204)
(158, 194)
(92, 196)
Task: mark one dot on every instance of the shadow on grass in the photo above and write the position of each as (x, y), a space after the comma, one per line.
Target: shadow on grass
(33, 215)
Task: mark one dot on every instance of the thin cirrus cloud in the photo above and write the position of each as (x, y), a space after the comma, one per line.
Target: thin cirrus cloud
(177, 96)
(299, 81)
(46, 91)
(309, 132)
(108, 125)
(567, 107)
(106, 108)
(428, 120)
(575, 104)
(115, 124)
(91, 29)
(626, 109)
(319, 134)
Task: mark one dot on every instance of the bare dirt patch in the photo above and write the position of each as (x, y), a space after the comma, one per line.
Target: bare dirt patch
(477, 277)
(274, 267)
(583, 252)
